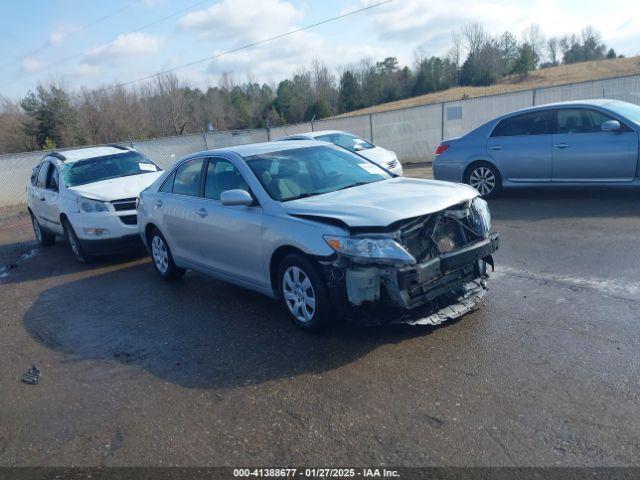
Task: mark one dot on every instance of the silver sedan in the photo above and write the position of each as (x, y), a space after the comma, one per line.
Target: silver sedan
(323, 229)
(590, 142)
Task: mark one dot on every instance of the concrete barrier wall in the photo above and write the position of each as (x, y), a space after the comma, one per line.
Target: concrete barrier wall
(413, 133)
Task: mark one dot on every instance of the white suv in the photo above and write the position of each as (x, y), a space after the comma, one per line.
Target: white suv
(89, 195)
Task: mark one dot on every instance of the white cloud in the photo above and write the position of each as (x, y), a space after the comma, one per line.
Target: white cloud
(431, 22)
(57, 37)
(281, 58)
(123, 47)
(85, 69)
(31, 65)
(242, 20)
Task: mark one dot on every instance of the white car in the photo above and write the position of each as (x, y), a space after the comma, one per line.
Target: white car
(381, 156)
(89, 196)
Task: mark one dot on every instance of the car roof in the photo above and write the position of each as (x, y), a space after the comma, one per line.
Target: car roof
(596, 102)
(76, 154)
(250, 149)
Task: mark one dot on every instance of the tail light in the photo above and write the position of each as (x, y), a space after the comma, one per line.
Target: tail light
(442, 148)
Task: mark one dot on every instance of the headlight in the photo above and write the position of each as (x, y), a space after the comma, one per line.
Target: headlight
(385, 250)
(90, 206)
(480, 217)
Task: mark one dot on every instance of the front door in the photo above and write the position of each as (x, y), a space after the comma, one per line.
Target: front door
(521, 147)
(582, 152)
(230, 236)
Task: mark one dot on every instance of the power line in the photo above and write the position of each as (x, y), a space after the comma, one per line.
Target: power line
(139, 29)
(49, 44)
(250, 45)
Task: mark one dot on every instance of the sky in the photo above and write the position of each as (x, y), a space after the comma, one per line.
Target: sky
(91, 44)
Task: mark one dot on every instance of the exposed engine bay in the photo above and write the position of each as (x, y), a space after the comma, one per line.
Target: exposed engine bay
(451, 248)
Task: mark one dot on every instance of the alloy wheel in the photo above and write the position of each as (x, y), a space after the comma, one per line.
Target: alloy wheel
(483, 180)
(160, 254)
(299, 294)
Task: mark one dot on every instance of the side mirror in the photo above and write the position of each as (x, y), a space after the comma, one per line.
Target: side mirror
(610, 126)
(236, 197)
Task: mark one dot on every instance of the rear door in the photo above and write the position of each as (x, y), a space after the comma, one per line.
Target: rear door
(582, 152)
(176, 209)
(230, 236)
(521, 147)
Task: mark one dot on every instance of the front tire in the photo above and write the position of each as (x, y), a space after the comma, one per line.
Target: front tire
(162, 258)
(44, 238)
(73, 242)
(485, 178)
(303, 293)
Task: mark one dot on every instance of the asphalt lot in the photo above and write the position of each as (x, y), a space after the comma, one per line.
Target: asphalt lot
(137, 371)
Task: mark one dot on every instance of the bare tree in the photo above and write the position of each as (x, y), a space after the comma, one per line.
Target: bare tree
(474, 36)
(553, 50)
(533, 36)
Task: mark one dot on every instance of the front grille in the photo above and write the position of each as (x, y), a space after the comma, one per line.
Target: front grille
(129, 219)
(124, 204)
(433, 235)
(392, 164)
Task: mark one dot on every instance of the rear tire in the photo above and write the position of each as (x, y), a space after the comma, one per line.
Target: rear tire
(303, 293)
(73, 242)
(485, 178)
(44, 238)
(162, 258)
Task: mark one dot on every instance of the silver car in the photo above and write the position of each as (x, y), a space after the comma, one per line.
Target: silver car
(381, 156)
(322, 229)
(590, 142)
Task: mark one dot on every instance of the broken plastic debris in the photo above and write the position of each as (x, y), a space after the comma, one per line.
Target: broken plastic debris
(32, 376)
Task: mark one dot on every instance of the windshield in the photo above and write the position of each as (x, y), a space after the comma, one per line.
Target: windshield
(305, 172)
(627, 110)
(346, 140)
(106, 167)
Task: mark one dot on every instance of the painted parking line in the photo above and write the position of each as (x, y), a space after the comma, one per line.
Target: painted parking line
(627, 290)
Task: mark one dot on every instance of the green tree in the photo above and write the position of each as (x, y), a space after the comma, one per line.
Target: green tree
(317, 110)
(526, 61)
(52, 115)
(350, 95)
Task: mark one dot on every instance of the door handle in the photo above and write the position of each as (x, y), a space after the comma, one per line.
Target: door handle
(202, 213)
(159, 203)
(561, 145)
(496, 147)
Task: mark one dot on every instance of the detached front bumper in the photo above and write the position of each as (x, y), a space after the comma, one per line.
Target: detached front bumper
(442, 288)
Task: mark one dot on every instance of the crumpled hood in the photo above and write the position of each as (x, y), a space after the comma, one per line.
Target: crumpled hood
(117, 188)
(382, 203)
(378, 155)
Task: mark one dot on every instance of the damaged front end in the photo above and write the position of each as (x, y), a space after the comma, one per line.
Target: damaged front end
(422, 270)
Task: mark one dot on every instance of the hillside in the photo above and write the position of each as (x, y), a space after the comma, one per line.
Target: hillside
(548, 77)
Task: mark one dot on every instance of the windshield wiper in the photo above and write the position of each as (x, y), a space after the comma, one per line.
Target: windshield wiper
(357, 184)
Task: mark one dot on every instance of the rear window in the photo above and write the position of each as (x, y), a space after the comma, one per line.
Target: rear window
(346, 140)
(534, 123)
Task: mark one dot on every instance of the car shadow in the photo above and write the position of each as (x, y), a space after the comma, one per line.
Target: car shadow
(198, 332)
(547, 203)
(54, 260)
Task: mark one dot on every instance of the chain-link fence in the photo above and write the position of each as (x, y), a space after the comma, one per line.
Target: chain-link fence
(413, 133)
